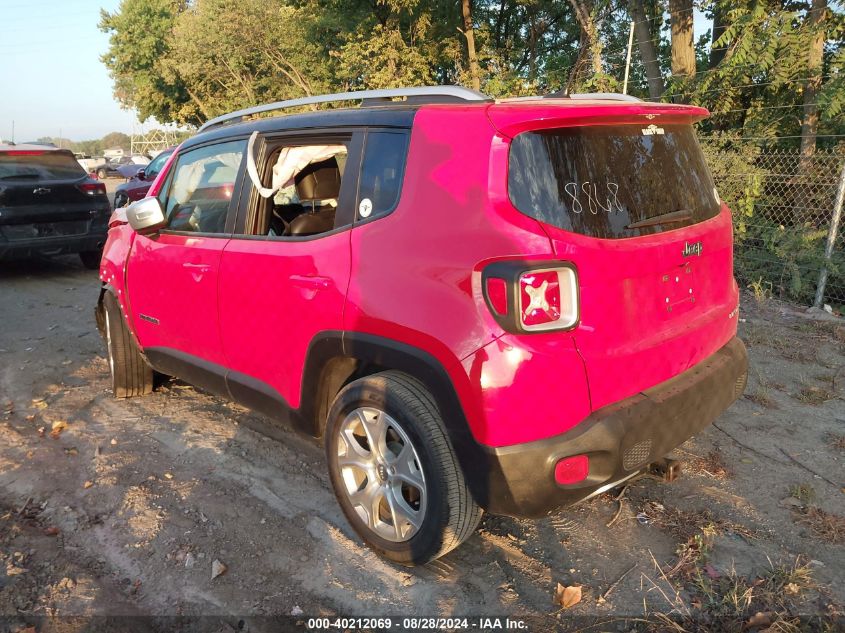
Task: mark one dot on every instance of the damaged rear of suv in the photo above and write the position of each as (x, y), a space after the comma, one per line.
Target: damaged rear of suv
(477, 305)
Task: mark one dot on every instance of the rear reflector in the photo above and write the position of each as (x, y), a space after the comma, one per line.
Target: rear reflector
(497, 293)
(571, 470)
(92, 188)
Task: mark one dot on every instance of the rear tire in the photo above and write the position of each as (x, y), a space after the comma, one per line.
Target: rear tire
(407, 498)
(91, 259)
(131, 375)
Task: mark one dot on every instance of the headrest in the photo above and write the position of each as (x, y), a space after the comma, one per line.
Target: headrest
(318, 181)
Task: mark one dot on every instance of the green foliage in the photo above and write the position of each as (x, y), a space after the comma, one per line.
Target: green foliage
(788, 260)
(224, 71)
(381, 58)
(140, 39)
(726, 160)
(187, 60)
(774, 246)
(92, 147)
(116, 139)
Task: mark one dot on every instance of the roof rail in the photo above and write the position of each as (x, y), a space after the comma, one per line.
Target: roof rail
(453, 92)
(610, 96)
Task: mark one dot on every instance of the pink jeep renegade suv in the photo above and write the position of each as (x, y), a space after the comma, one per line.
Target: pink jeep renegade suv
(507, 306)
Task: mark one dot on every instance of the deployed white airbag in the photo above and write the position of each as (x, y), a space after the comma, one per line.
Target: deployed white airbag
(290, 162)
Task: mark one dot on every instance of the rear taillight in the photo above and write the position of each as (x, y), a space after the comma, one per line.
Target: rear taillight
(92, 188)
(548, 299)
(526, 298)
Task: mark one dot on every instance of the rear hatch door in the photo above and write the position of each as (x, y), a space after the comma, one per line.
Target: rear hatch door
(634, 206)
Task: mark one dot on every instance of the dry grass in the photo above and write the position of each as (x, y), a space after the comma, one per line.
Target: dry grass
(685, 523)
(836, 441)
(828, 527)
(762, 398)
(712, 465)
(781, 340)
(768, 602)
(761, 394)
(813, 395)
(694, 529)
(817, 329)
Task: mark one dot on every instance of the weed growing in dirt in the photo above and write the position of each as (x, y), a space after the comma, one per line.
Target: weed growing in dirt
(810, 394)
(780, 340)
(805, 493)
(712, 465)
(828, 527)
(734, 603)
(761, 398)
(694, 530)
(836, 441)
(762, 291)
(761, 395)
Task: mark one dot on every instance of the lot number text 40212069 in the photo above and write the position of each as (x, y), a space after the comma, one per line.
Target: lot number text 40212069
(417, 624)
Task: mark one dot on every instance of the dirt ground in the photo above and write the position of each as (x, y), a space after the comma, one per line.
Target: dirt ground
(114, 507)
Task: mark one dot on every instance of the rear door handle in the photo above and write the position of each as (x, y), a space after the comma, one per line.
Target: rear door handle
(311, 281)
(201, 267)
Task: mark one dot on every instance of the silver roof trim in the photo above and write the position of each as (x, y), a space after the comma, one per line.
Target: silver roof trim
(610, 96)
(391, 93)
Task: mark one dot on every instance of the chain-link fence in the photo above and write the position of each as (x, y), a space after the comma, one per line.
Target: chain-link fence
(783, 212)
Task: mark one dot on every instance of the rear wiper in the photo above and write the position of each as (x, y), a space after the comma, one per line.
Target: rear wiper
(19, 177)
(664, 218)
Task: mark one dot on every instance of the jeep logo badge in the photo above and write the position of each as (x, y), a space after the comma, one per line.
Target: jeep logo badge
(692, 249)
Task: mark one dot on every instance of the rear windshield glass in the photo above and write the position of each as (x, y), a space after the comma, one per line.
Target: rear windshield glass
(600, 180)
(24, 165)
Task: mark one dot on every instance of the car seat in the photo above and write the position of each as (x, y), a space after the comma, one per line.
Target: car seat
(318, 188)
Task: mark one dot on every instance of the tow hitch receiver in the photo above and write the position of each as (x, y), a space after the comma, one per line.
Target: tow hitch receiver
(667, 470)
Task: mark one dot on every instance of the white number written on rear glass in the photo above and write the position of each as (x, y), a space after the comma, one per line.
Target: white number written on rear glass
(593, 197)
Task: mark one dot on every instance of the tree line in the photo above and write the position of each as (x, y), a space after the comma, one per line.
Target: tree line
(765, 69)
(90, 147)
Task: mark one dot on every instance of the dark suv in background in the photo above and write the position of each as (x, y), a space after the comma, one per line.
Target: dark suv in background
(49, 205)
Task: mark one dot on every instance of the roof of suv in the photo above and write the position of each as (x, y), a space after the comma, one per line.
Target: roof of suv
(382, 116)
(378, 113)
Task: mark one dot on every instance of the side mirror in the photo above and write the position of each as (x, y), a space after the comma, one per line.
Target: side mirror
(145, 216)
(141, 175)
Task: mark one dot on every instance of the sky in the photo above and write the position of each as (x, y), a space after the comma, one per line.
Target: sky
(52, 82)
(51, 77)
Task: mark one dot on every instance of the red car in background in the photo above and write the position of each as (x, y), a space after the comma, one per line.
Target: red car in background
(137, 187)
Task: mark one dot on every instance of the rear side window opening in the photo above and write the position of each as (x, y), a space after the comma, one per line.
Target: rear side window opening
(600, 180)
(305, 188)
(36, 165)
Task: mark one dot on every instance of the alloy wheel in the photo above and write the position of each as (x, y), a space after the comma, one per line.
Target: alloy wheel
(381, 474)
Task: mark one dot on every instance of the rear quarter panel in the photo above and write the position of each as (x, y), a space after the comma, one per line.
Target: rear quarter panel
(416, 273)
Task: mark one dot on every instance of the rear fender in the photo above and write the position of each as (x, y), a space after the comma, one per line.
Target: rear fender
(336, 358)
